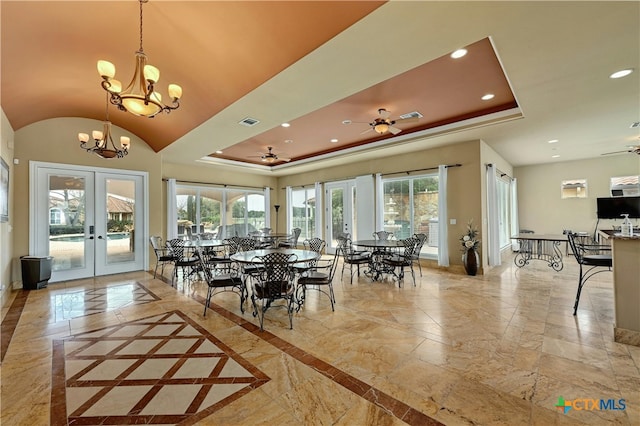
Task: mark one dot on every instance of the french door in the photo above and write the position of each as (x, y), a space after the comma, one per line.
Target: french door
(92, 222)
(340, 198)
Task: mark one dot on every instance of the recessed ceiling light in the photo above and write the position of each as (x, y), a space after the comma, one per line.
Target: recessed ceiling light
(218, 152)
(285, 124)
(555, 156)
(334, 140)
(288, 141)
(346, 122)
(459, 53)
(553, 141)
(621, 73)
(488, 96)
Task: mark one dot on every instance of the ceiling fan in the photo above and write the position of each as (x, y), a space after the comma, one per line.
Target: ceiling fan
(269, 156)
(383, 124)
(634, 149)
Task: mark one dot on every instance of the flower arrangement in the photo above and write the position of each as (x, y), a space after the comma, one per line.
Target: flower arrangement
(470, 239)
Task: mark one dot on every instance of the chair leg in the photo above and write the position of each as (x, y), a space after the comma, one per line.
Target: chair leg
(208, 300)
(156, 269)
(580, 284)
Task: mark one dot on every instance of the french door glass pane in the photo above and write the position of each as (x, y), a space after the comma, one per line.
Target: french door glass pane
(67, 218)
(337, 212)
(120, 219)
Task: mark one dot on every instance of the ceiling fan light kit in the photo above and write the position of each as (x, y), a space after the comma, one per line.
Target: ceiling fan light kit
(139, 97)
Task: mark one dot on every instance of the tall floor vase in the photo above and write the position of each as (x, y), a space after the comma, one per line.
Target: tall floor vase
(471, 260)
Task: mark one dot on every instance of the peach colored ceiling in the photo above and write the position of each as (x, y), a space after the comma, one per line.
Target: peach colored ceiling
(319, 63)
(217, 51)
(444, 91)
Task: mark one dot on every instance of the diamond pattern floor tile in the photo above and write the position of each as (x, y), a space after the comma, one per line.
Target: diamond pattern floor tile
(164, 369)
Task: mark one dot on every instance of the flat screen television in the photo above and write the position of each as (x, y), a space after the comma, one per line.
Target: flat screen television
(615, 207)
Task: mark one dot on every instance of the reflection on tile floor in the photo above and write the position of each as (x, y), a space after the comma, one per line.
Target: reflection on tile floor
(92, 301)
(163, 369)
(494, 349)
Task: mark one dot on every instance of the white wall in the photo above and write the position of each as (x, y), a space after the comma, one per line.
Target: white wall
(6, 234)
(540, 206)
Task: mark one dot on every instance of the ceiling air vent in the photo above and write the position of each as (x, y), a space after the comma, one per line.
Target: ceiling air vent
(248, 121)
(635, 124)
(414, 114)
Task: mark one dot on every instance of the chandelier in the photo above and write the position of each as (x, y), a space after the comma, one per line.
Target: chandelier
(139, 97)
(103, 145)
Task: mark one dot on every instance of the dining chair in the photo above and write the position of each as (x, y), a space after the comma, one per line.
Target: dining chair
(184, 259)
(229, 280)
(274, 281)
(291, 242)
(311, 244)
(352, 257)
(398, 261)
(422, 238)
(591, 258)
(383, 235)
(319, 277)
(162, 252)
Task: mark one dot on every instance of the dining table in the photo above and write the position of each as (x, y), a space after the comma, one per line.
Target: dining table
(379, 250)
(253, 258)
(272, 238)
(545, 247)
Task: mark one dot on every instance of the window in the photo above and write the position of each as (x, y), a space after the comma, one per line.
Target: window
(625, 186)
(55, 217)
(574, 188)
(303, 209)
(411, 207)
(504, 210)
(221, 211)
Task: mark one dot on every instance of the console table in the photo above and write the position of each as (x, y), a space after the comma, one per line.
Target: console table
(544, 247)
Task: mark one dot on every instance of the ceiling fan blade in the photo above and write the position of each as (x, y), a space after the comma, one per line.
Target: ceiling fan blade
(615, 152)
(384, 114)
(284, 159)
(367, 131)
(394, 130)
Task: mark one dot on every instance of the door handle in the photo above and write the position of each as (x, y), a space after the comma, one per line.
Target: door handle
(90, 238)
(100, 237)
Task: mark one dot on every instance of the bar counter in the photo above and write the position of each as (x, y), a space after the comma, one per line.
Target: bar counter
(626, 285)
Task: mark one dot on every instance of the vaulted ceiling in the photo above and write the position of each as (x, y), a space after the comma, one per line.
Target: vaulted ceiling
(315, 65)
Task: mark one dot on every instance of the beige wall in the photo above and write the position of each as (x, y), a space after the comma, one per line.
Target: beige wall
(464, 183)
(540, 207)
(6, 231)
(56, 141)
(539, 186)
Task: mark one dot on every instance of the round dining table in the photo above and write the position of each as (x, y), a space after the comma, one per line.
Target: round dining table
(379, 249)
(254, 256)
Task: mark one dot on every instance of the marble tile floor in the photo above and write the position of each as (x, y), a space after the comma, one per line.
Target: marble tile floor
(501, 348)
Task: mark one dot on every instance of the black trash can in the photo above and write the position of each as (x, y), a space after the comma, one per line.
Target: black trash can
(36, 271)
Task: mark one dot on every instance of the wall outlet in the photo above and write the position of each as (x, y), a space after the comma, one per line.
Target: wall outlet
(452, 221)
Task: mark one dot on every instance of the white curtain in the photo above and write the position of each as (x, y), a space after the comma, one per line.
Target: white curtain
(172, 211)
(365, 207)
(267, 207)
(515, 227)
(379, 203)
(493, 216)
(318, 213)
(443, 219)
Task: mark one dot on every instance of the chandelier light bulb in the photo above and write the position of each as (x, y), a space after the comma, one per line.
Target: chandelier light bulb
(83, 137)
(106, 69)
(151, 74)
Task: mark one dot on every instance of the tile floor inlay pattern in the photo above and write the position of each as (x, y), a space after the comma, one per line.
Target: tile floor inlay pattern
(93, 301)
(163, 369)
